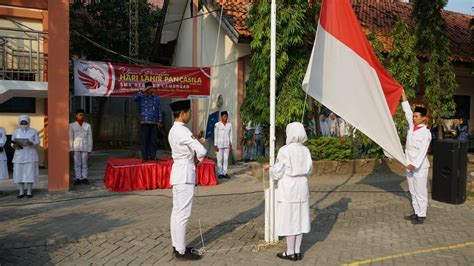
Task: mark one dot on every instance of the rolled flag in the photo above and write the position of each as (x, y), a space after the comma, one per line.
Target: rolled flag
(344, 75)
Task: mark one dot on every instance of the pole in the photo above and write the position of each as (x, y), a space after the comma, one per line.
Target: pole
(273, 237)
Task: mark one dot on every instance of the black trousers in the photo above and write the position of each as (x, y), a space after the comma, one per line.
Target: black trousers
(148, 140)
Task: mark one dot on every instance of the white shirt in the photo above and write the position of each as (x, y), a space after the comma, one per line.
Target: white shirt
(418, 141)
(222, 135)
(28, 154)
(3, 140)
(183, 147)
(258, 129)
(291, 169)
(80, 137)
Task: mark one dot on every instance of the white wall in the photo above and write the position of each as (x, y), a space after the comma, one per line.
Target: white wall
(225, 65)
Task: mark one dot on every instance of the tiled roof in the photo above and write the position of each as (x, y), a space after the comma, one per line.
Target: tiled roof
(374, 15)
(380, 16)
(236, 12)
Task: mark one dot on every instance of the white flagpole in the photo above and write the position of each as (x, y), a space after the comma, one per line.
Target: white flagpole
(273, 237)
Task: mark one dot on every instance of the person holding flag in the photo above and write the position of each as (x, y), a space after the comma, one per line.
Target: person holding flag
(418, 142)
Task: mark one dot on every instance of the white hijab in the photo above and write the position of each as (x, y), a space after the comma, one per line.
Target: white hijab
(298, 157)
(295, 133)
(24, 118)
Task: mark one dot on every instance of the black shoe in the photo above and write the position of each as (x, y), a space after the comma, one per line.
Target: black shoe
(76, 182)
(298, 256)
(419, 220)
(20, 196)
(188, 255)
(220, 176)
(85, 181)
(29, 196)
(227, 176)
(188, 249)
(410, 217)
(283, 255)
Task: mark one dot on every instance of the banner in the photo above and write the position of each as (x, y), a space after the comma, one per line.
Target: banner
(94, 78)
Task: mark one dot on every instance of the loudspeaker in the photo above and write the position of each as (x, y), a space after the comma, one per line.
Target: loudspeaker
(449, 171)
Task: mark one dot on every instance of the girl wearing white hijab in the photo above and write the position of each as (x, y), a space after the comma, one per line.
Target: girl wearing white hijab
(291, 169)
(25, 160)
(3, 155)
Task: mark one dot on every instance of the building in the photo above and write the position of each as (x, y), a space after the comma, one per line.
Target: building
(195, 35)
(208, 40)
(23, 66)
(34, 43)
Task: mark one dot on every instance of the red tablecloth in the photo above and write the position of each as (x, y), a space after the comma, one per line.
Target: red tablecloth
(122, 175)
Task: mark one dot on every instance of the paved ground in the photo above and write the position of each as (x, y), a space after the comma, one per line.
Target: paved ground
(356, 219)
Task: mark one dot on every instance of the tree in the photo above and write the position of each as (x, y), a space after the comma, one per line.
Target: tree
(106, 22)
(295, 27)
(438, 74)
(402, 64)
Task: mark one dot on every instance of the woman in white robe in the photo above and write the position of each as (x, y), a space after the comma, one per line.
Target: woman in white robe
(291, 169)
(25, 160)
(3, 155)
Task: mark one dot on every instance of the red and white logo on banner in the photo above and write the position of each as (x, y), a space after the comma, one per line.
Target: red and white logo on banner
(93, 78)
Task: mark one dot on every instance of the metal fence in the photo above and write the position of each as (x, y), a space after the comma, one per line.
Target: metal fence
(21, 55)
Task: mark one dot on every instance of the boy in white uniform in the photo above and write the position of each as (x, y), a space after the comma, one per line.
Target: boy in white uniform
(187, 152)
(3, 155)
(418, 142)
(80, 143)
(223, 143)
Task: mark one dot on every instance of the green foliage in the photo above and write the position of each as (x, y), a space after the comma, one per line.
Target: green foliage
(328, 148)
(107, 23)
(438, 73)
(402, 64)
(295, 26)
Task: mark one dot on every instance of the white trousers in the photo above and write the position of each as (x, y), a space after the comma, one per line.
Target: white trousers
(222, 161)
(3, 170)
(418, 186)
(80, 164)
(183, 195)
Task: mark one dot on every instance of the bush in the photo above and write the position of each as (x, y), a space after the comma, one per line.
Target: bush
(329, 148)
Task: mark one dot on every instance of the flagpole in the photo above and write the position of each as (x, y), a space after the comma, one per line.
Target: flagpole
(272, 234)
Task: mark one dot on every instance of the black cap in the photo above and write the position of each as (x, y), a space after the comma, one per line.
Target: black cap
(224, 113)
(78, 111)
(149, 84)
(421, 110)
(183, 105)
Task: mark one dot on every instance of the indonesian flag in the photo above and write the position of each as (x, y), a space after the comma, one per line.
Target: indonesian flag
(344, 75)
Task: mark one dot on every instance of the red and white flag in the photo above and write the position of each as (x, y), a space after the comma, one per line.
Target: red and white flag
(344, 75)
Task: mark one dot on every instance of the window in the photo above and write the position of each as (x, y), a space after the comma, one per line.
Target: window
(19, 105)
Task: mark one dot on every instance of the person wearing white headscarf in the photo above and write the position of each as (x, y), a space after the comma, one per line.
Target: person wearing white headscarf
(25, 161)
(3, 155)
(292, 167)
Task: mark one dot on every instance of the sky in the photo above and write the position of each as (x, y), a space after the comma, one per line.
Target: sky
(462, 6)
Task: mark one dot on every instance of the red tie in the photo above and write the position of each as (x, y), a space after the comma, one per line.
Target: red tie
(417, 127)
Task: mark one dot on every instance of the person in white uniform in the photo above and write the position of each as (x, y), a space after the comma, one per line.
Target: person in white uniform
(187, 152)
(25, 161)
(3, 155)
(223, 144)
(418, 142)
(80, 144)
(291, 169)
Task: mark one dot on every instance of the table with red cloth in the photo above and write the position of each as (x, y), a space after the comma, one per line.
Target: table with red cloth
(122, 175)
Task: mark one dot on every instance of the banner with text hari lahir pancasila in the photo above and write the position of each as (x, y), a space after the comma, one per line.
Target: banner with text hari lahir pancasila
(94, 78)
